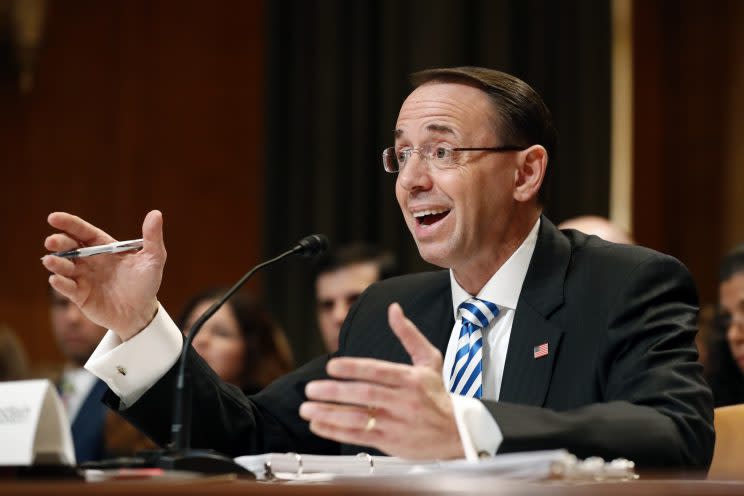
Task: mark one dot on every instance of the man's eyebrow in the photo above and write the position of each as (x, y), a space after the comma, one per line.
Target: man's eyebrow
(434, 128)
(440, 128)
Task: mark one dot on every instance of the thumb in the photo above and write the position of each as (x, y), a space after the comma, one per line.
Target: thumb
(152, 233)
(422, 352)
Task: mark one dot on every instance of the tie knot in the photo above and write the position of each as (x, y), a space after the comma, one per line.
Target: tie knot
(478, 312)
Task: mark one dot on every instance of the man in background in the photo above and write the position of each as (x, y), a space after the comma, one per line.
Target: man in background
(81, 391)
(341, 276)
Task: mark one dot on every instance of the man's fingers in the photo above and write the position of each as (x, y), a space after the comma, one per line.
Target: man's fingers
(78, 229)
(369, 369)
(152, 233)
(64, 286)
(422, 352)
(62, 266)
(351, 417)
(60, 242)
(346, 435)
(345, 424)
(351, 393)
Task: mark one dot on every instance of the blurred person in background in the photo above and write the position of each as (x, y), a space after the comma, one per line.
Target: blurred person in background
(726, 370)
(241, 342)
(600, 227)
(97, 433)
(81, 391)
(341, 276)
(13, 361)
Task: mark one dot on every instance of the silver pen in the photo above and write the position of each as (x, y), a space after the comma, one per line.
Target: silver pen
(89, 251)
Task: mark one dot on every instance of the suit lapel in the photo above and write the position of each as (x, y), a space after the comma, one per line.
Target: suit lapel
(527, 377)
(435, 318)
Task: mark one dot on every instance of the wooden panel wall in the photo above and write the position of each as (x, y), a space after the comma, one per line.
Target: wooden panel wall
(733, 187)
(138, 104)
(683, 181)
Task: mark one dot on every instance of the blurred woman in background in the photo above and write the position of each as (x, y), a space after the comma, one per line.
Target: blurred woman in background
(727, 350)
(240, 342)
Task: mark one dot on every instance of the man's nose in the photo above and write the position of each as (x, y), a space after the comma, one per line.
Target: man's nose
(415, 174)
(340, 309)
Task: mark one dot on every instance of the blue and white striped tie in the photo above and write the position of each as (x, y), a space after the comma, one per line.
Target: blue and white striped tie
(467, 377)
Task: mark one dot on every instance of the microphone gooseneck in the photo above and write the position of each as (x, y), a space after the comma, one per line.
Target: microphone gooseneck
(181, 427)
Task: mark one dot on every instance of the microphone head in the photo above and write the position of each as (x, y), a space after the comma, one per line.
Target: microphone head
(312, 245)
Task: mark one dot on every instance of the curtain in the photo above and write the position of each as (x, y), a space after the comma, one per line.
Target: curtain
(336, 74)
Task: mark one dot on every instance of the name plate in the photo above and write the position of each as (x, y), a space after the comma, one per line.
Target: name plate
(34, 429)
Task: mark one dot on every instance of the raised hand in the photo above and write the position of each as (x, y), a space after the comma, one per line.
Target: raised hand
(402, 410)
(117, 291)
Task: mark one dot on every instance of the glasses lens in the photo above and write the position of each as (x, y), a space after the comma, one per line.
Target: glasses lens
(389, 161)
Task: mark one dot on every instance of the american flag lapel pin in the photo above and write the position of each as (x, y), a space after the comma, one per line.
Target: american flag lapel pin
(540, 351)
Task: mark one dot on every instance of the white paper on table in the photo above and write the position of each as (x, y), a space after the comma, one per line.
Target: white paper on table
(530, 466)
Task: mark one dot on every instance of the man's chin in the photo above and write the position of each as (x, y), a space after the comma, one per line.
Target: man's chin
(433, 255)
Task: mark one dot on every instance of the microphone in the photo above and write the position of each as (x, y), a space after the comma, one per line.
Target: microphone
(179, 455)
(312, 245)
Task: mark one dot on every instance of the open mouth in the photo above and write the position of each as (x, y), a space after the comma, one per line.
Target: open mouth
(429, 217)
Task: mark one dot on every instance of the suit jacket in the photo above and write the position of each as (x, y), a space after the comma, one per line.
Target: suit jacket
(620, 379)
(87, 428)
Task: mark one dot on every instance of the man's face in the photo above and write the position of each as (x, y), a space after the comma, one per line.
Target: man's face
(335, 292)
(731, 293)
(76, 336)
(456, 215)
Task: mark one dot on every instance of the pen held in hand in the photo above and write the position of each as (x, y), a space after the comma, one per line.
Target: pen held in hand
(89, 251)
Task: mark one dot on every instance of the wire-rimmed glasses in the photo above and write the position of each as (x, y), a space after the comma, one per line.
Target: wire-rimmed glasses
(436, 154)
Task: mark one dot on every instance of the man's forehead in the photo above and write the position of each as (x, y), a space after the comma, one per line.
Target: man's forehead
(435, 128)
(443, 108)
(363, 273)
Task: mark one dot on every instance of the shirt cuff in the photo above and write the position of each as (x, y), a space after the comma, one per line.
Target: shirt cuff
(478, 430)
(130, 368)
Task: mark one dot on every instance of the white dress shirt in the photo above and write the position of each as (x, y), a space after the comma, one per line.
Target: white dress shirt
(75, 385)
(130, 368)
(478, 430)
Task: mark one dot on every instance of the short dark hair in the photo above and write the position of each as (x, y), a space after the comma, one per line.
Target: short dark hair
(356, 253)
(732, 263)
(524, 118)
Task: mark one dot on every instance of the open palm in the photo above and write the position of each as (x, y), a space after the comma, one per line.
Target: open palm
(117, 291)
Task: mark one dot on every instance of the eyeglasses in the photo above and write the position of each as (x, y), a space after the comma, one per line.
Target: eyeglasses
(438, 155)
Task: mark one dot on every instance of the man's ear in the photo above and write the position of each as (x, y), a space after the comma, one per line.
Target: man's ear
(530, 172)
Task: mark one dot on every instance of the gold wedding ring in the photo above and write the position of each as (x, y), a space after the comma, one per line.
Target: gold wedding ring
(371, 420)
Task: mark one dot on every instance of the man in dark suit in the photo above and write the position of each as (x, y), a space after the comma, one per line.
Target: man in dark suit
(533, 339)
(81, 391)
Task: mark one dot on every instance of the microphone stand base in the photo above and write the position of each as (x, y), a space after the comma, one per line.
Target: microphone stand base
(201, 461)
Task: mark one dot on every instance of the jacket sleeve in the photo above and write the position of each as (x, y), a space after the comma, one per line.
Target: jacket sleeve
(226, 420)
(655, 407)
